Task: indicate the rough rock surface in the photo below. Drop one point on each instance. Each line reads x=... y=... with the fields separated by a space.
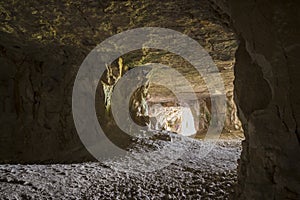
x=267 y=92
x=189 y=177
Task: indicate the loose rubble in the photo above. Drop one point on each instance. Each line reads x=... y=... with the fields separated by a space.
x=188 y=177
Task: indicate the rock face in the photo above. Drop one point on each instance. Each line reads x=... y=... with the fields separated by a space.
x=36 y=90
x=267 y=87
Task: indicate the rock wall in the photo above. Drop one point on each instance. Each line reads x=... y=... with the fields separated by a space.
x=267 y=93
x=36 y=124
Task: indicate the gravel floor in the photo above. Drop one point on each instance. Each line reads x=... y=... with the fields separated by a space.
x=191 y=176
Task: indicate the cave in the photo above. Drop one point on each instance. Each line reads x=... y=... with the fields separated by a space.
x=255 y=47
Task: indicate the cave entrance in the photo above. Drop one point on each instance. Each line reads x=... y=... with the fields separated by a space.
x=162 y=111
x=158 y=108
x=172 y=117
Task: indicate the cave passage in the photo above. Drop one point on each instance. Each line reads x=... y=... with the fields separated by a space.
x=42 y=47
x=255 y=47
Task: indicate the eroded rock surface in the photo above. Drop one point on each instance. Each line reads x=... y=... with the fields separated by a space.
x=267 y=89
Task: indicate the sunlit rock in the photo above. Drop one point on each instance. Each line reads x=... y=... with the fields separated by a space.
x=175 y=119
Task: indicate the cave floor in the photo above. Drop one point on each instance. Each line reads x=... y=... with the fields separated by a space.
x=188 y=177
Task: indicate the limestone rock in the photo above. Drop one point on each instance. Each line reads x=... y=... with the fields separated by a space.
x=267 y=94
